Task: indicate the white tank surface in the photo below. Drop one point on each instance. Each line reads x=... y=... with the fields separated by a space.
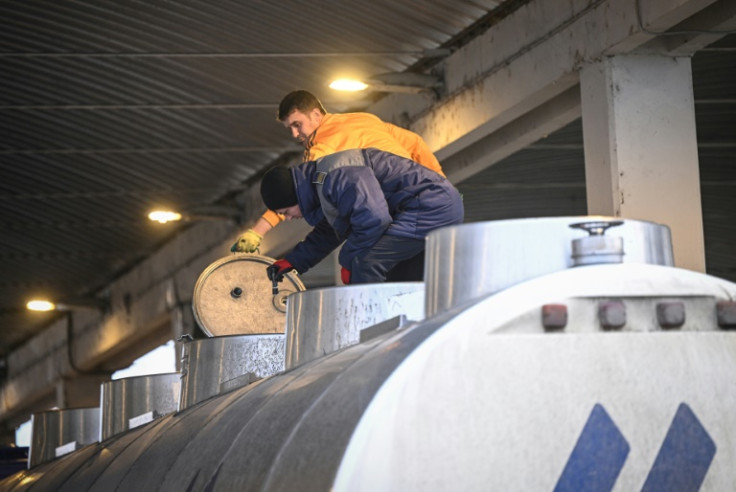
x=321 y=321
x=602 y=376
x=233 y=296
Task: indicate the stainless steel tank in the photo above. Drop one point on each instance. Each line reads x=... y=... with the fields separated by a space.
x=233 y=296
x=130 y=402
x=321 y=321
x=468 y=261
x=211 y=366
x=58 y=432
x=466 y=400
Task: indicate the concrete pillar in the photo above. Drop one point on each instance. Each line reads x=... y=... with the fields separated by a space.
x=641 y=156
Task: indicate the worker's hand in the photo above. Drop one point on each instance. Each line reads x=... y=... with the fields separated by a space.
x=345 y=276
x=278 y=269
x=247 y=242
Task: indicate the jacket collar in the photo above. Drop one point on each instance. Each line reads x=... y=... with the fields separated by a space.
x=306 y=194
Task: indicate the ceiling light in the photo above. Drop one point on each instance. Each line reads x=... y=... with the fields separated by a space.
x=164 y=216
x=199 y=213
x=405 y=82
x=76 y=304
x=40 y=305
x=348 y=85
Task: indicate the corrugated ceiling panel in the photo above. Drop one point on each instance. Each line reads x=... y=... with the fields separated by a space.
x=109 y=107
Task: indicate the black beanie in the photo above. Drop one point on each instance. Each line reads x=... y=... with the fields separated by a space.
x=277 y=188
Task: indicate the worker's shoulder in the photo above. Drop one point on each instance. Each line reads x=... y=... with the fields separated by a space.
x=342 y=118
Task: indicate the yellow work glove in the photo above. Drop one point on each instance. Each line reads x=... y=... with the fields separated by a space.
x=247 y=242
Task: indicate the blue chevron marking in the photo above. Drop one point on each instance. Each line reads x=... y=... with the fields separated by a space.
x=597 y=458
x=685 y=456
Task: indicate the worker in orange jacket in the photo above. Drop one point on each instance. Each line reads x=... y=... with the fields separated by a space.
x=323 y=133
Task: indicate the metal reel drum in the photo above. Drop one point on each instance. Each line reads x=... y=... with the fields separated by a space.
x=233 y=296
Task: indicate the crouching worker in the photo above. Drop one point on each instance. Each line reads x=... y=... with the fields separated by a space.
x=381 y=205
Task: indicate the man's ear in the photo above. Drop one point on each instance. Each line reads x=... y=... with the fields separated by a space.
x=317 y=115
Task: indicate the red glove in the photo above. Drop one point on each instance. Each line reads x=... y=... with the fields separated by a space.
x=278 y=269
x=345 y=276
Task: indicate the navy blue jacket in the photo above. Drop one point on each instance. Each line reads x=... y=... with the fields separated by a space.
x=368 y=193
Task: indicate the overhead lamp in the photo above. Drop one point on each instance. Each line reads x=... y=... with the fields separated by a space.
x=348 y=85
x=40 y=305
x=205 y=212
x=403 y=82
x=164 y=216
x=68 y=305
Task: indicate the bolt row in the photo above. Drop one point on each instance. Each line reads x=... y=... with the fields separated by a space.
x=612 y=315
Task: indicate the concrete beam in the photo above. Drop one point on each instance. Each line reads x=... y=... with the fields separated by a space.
x=515 y=136
x=528 y=59
x=510 y=76
x=696 y=32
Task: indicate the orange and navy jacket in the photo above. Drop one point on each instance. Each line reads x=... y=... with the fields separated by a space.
x=347 y=131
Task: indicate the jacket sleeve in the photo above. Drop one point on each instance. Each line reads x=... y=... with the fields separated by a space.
x=362 y=210
x=319 y=243
x=272 y=217
x=416 y=146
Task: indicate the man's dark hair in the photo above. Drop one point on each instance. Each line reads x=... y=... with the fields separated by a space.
x=302 y=100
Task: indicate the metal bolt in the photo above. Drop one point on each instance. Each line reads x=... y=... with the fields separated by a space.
x=671 y=314
x=612 y=314
x=554 y=316
x=726 y=314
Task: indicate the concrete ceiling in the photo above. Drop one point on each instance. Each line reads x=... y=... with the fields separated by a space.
x=109 y=108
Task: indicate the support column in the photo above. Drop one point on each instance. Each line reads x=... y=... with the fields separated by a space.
x=641 y=155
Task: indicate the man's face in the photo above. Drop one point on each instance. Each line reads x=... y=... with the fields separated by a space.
x=302 y=125
x=293 y=212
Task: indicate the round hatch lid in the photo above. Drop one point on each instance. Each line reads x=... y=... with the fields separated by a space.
x=233 y=296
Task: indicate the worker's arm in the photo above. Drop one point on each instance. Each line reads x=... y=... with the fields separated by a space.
x=268 y=221
x=319 y=243
x=416 y=146
x=250 y=240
